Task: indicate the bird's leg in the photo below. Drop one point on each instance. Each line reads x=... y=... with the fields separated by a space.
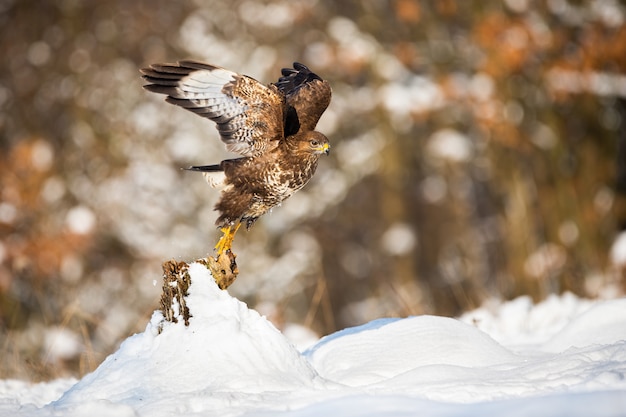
x=224 y=268
x=226 y=241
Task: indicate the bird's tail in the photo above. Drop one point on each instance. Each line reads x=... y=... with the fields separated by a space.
x=214 y=174
x=206 y=168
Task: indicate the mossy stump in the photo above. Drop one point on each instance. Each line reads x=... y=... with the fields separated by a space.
x=176 y=282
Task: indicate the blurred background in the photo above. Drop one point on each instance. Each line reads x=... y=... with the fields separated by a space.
x=478 y=153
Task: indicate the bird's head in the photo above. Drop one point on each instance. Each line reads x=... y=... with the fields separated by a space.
x=316 y=143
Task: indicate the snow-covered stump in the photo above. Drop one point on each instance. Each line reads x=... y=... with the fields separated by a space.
x=228 y=360
x=176 y=282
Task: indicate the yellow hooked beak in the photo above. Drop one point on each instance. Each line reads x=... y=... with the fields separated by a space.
x=324 y=148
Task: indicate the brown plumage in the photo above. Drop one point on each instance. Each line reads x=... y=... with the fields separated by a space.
x=271 y=126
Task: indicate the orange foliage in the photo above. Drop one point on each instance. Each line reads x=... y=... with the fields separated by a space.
x=603 y=49
x=408 y=11
x=34 y=239
x=446 y=7
x=507 y=44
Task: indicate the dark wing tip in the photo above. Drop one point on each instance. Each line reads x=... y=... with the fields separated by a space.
x=164 y=78
x=294 y=78
x=196 y=65
x=301 y=67
x=171 y=73
x=160 y=88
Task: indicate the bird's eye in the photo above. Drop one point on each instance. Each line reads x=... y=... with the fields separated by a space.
x=314 y=143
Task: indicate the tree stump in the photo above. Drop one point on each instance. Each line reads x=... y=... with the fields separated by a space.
x=176 y=282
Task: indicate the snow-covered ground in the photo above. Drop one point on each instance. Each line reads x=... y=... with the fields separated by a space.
x=562 y=357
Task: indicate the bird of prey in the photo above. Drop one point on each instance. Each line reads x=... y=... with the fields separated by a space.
x=270 y=126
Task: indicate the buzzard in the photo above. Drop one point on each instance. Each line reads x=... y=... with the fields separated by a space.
x=270 y=126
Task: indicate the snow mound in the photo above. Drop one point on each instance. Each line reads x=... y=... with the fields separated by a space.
x=227 y=352
x=230 y=361
x=602 y=324
x=370 y=353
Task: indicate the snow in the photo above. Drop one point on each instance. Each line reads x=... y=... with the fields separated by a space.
x=449 y=144
x=563 y=357
x=61 y=343
x=618 y=250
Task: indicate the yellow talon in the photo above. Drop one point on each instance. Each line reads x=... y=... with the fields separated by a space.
x=226 y=241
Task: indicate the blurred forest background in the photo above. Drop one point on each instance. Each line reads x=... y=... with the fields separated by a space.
x=478 y=152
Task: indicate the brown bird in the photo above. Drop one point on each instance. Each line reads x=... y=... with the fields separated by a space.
x=271 y=126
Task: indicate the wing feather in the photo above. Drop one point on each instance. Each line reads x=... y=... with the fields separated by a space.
x=307 y=96
x=249 y=115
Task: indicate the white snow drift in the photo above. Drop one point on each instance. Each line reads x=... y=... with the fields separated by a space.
x=230 y=361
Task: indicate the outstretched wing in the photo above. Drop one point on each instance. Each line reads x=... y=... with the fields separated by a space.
x=249 y=115
x=307 y=95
